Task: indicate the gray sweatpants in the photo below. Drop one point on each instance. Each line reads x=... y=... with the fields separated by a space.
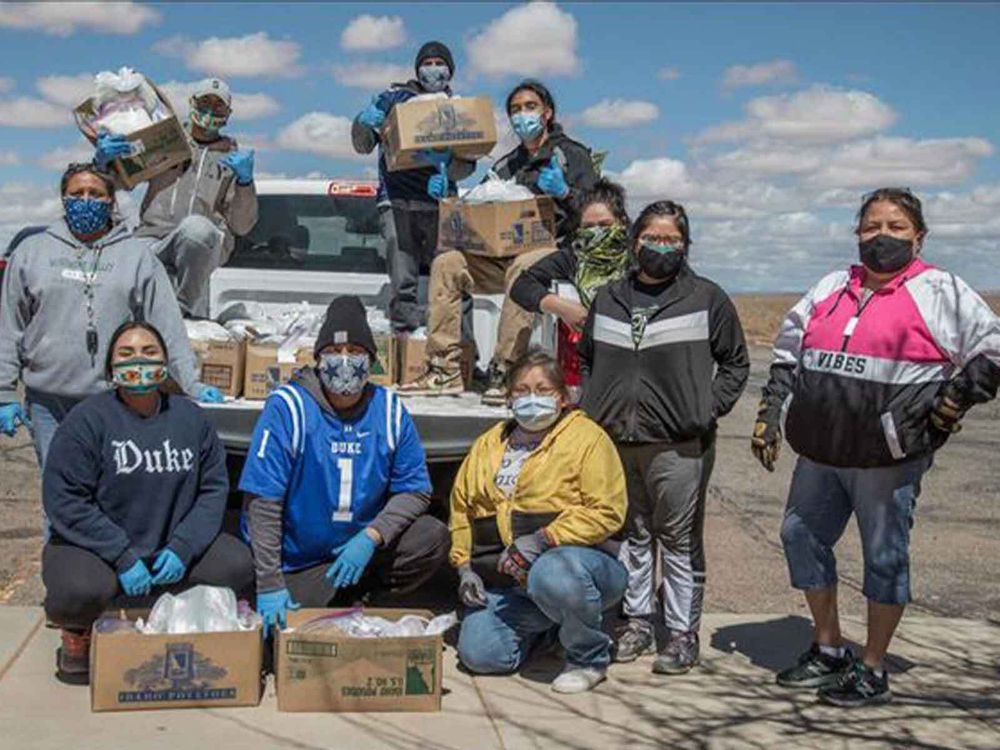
x=190 y=253
x=666 y=517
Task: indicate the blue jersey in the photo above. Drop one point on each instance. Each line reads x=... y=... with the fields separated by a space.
x=333 y=475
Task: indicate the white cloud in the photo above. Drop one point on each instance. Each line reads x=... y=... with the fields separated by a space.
x=371 y=75
x=9 y=159
x=58 y=158
x=668 y=74
x=818 y=115
x=367 y=32
x=657 y=178
x=245 y=106
x=25 y=112
x=319 y=133
x=535 y=39
x=66 y=90
x=24 y=204
x=773 y=72
x=6 y=84
x=770 y=159
x=619 y=113
x=250 y=56
x=64 y=18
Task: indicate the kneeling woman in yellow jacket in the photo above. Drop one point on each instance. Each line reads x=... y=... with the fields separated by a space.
x=532 y=511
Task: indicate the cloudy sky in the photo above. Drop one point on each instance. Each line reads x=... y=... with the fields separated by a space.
x=767 y=121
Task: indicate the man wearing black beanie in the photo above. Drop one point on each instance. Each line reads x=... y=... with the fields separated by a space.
x=408 y=199
x=336 y=482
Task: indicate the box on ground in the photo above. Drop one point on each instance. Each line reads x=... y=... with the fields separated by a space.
x=132 y=671
x=341 y=673
x=499 y=229
x=412 y=359
x=464 y=124
x=222 y=364
x=157 y=148
x=267 y=367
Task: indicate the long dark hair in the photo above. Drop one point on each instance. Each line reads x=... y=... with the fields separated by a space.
x=667 y=209
x=902 y=198
x=539 y=88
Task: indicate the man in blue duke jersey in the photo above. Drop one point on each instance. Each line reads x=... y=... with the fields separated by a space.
x=336 y=482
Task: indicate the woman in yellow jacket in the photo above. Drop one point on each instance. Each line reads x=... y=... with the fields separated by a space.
x=532 y=511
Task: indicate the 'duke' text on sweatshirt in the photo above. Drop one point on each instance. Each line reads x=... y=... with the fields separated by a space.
x=124 y=486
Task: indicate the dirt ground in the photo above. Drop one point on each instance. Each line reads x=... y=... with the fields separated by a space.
x=955 y=554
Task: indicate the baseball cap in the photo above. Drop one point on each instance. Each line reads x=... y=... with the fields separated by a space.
x=213 y=87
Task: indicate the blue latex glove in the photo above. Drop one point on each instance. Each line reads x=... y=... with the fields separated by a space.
x=352 y=559
x=272 y=606
x=437 y=185
x=436 y=157
x=136 y=581
x=372 y=116
x=211 y=395
x=109 y=147
x=552 y=181
x=241 y=162
x=12 y=415
x=167 y=567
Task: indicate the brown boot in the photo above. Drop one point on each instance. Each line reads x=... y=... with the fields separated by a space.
x=73 y=658
x=434 y=381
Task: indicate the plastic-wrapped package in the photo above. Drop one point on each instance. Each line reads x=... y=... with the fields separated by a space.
x=125 y=102
x=202 y=609
x=496 y=190
x=206 y=330
x=359 y=625
x=120 y=624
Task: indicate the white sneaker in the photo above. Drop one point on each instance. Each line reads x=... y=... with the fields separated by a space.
x=578 y=679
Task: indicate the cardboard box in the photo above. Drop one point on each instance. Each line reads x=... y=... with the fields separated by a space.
x=412 y=359
x=222 y=364
x=159 y=147
x=132 y=671
x=332 y=672
x=383 y=370
x=265 y=370
x=497 y=229
x=464 y=124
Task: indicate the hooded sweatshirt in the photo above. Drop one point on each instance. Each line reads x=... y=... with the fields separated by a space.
x=200 y=187
x=43 y=311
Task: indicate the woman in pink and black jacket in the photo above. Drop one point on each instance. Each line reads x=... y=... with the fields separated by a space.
x=873 y=370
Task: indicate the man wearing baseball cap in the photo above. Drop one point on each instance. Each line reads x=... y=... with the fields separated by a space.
x=408 y=199
x=194 y=211
x=336 y=483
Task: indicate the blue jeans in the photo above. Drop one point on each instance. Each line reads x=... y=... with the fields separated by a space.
x=821 y=501
x=46 y=412
x=568 y=590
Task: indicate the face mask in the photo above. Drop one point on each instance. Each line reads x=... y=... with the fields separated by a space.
x=527 y=125
x=535 y=413
x=601 y=257
x=139 y=375
x=885 y=254
x=344 y=374
x=207 y=120
x=434 y=78
x=86 y=215
x=660 y=261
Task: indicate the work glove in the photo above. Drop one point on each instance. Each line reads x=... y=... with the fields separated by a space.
x=521 y=554
x=211 y=395
x=372 y=116
x=946 y=415
x=110 y=146
x=471 y=590
x=766 y=440
x=241 y=162
x=273 y=606
x=136 y=581
x=352 y=559
x=552 y=181
x=12 y=415
x=437 y=185
x=167 y=568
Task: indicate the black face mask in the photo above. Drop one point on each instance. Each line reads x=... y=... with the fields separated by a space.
x=885 y=254
x=660 y=265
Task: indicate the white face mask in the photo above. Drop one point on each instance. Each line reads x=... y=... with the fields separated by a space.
x=434 y=78
x=535 y=413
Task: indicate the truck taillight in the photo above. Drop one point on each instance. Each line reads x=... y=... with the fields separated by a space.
x=3 y=263
x=353 y=189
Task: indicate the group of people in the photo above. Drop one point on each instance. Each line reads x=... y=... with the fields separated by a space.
x=589 y=497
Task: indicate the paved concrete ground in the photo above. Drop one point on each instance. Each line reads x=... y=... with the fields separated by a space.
x=945 y=681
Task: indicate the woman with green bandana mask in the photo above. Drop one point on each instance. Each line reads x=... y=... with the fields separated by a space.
x=135 y=489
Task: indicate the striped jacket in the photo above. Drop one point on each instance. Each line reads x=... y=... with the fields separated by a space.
x=857 y=373
x=666 y=374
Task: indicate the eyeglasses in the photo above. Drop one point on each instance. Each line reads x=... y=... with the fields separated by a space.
x=662 y=239
x=544 y=391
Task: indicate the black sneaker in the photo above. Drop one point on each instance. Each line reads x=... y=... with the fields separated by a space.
x=496 y=386
x=815 y=669
x=679 y=655
x=634 y=640
x=858 y=686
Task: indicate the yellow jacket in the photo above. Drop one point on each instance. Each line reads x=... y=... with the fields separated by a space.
x=573 y=485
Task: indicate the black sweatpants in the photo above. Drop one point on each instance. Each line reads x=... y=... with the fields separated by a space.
x=400 y=568
x=79 y=585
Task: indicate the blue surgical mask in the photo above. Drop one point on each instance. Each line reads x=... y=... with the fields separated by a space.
x=86 y=216
x=434 y=78
x=344 y=374
x=527 y=125
x=535 y=413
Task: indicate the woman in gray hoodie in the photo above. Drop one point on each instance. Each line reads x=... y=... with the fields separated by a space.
x=65 y=291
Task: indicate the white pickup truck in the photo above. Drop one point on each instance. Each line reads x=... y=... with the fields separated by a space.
x=317 y=239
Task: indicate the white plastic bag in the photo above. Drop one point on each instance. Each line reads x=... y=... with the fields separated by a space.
x=202 y=609
x=206 y=330
x=359 y=625
x=125 y=102
x=495 y=190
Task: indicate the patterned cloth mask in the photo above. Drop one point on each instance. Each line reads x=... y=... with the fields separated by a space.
x=86 y=215
x=344 y=374
x=601 y=257
x=207 y=120
x=434 y=78
x=139 y=375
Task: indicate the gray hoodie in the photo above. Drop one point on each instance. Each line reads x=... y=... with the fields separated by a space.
x=43 y=311
x=200 y=187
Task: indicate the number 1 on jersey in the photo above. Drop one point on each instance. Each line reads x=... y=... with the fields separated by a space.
x=343 y=511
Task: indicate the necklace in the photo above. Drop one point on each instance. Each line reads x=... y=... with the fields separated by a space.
x=89 y=277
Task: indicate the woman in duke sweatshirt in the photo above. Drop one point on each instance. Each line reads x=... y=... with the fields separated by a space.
x=65 y=291
x=135 y=489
